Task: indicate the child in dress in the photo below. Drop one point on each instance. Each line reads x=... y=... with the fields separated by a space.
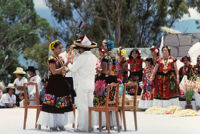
x=146 y=100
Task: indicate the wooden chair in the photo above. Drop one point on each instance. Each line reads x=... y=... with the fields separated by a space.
x=110 y=105
x=132 y=102
x=74 y=113
x=38 y=107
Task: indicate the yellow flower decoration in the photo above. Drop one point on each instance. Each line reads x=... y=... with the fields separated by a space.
x=123 y=52
x=51 y=45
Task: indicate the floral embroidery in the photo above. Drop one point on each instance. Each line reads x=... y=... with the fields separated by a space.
x=59 y=102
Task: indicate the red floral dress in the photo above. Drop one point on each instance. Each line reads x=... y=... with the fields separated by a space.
x=148 y=87
x=166 y=82
x=122 y=75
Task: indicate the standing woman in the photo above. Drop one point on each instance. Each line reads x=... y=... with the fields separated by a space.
x=167 y=80
x=135 y=63
x=155 y=54
x=58 y=96
x=187 y=69
x=122 y=74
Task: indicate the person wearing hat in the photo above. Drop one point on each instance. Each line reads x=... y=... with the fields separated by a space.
x=33 y=78
x=8 y=99
x=84 y=69
x=19 y=83
x=58 y=97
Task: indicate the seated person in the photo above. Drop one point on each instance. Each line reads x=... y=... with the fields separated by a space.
x=8 y=99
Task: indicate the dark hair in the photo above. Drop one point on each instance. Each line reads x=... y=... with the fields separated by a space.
x=22 y=94
x=44 y=80
x=22 y=75
x=185 y=57
x=134 y=50
x=149 y=60
x=168 y=48
x=57 y=44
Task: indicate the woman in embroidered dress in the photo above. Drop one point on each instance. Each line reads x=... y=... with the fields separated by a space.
x=155 y=54
x=187 y=69
x=167 y=80
x=58 y=96
x=135 y=63
x=146 y=100
x=122 y=74
x=107 y=74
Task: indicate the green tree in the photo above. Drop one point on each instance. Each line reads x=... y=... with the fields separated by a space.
x=39 y=53
x=21 y=28
x=130 y=23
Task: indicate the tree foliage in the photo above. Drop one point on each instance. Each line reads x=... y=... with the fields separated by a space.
x=130 y=23
x=20 y=28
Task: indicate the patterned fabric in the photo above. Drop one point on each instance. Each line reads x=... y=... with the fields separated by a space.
x=122 y=76
x=59 y=102
x=186 y=70
x=148 y=87
x=55 y=61
x=135 y=64
x=166 y=83
x=100 y=100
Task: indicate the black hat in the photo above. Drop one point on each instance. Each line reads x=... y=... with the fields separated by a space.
x=31 y=68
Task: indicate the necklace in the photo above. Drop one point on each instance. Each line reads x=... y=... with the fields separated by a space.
x=165 y=63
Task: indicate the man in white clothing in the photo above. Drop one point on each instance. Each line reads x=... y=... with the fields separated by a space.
x=84 y=71
x=33 y=78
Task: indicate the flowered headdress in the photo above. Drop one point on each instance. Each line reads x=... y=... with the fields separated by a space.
x=185 y=57
x=122 y=51
x=155 y=49
x=108 y=44
x=51 y=45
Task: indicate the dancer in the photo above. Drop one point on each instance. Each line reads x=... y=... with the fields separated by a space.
x=167 y=80
x=122 y=74
x=58 y=96
x=187 y=69
x=155 y=54
x=146 y=100
x=84 y=69
x=136 y=71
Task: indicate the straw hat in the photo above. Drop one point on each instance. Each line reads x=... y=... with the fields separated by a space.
x=10 y=85
x=19 y=70
x=84 y=42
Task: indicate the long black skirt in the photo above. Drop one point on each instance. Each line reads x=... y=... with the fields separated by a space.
x=58 y=97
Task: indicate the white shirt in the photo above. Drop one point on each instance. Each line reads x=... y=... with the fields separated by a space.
x=6 y=98
x=84 y=69
x=31 y=88
x=18 y=82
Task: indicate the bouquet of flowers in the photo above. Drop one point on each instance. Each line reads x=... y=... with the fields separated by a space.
x=190 y=87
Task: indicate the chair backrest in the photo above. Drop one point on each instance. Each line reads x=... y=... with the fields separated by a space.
x=26 y=98
x=134 y=100
x=115 y=93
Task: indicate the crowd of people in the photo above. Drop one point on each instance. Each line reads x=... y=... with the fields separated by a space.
x=78 y=73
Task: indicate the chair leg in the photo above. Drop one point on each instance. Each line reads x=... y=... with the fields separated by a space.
x=108 y=120
x=117 y=119
x=135 y=119
x=39 y=126
x=124 y=119
x=25 y=116
x=89 y=120
x=100 y=121
x=37 y=116
x=74 y=112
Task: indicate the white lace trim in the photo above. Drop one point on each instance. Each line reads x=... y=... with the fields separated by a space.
x=55 y=120
x=166 y=103
x=145 y=104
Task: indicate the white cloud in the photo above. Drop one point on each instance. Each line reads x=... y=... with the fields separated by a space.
x=193 y=14
x=40 y=4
